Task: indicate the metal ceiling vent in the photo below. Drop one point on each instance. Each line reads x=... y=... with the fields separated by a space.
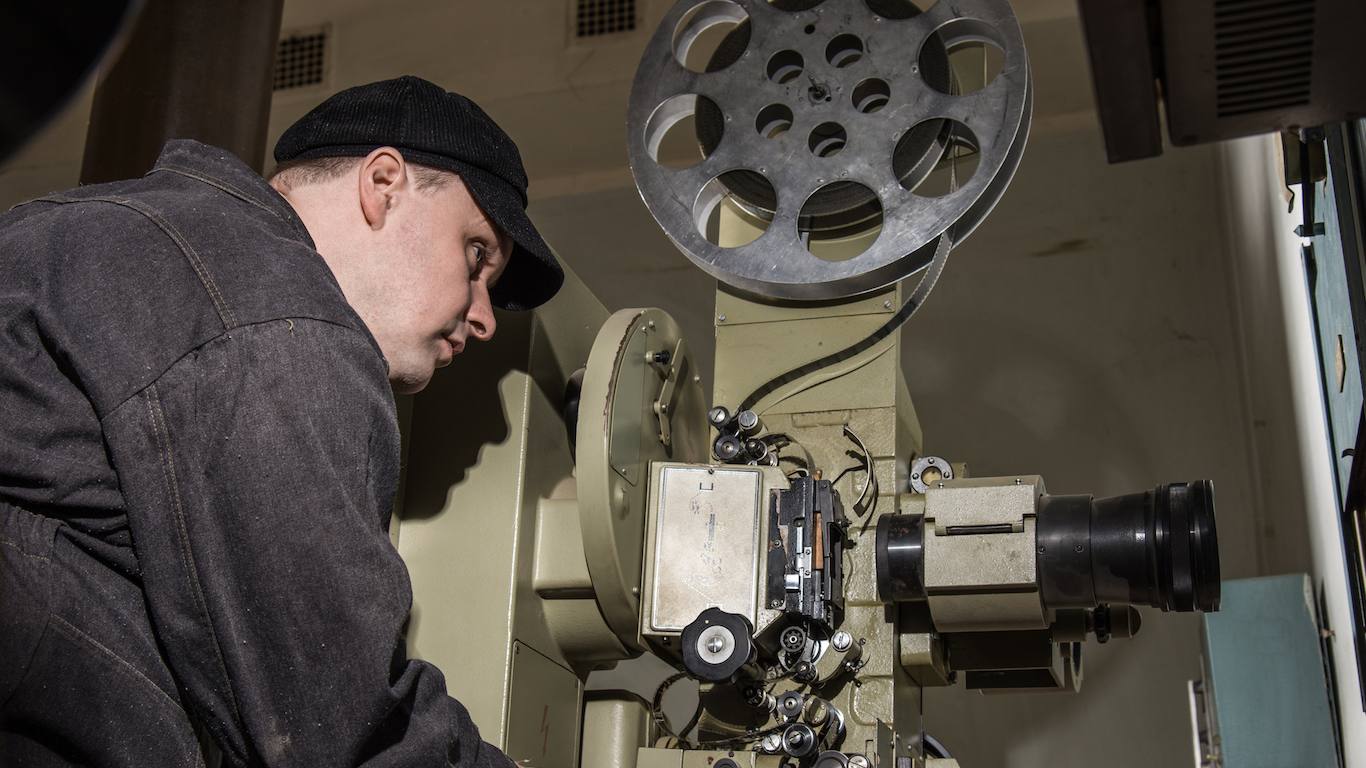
x=604 y=17
x=1263 y=54
x=299 y=58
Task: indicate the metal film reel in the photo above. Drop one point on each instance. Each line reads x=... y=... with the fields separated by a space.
x=823 y=120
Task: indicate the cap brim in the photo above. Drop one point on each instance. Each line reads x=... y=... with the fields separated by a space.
x=533 y=275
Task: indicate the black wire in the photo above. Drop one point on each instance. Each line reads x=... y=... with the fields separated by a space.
x=657 y=708
x=908 y=309
x=831 y=359
x=696 y=715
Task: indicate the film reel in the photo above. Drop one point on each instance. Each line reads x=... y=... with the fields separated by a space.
x=826 y=122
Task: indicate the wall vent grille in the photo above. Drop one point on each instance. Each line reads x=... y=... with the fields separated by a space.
x=604 y=17
x=299 y=59
x=1263 y=54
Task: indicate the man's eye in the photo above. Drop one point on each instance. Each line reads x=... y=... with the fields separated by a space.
x=479 y=254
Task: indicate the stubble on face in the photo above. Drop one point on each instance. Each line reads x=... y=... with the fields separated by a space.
x=448 y=253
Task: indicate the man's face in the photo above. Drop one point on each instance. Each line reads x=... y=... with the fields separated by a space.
x=445 y=255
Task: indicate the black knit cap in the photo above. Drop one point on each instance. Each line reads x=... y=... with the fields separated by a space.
x=427 y=125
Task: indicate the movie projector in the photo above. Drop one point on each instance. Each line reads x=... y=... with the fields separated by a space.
x=787 y=545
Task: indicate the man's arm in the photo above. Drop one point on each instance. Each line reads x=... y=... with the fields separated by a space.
x=258 y=473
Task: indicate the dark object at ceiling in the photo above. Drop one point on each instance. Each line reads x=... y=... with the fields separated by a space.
x=1223 y=68
x=47 y=50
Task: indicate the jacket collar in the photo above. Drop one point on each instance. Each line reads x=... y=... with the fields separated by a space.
x=220 y=168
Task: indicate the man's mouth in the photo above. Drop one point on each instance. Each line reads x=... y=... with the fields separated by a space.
x=456 y=345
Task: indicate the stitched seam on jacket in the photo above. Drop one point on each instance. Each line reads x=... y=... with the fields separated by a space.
x=66 y=628
x=21 y=551
x=224 y=312
x=219 y=183
x=218 y=337
x=183 y=539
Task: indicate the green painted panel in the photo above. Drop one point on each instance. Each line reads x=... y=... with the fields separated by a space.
x=1267 y=677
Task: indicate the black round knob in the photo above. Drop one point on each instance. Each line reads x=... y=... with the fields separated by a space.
x=726 y=447
x=716 y=645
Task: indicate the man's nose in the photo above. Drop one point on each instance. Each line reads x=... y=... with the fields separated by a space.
x=480 y=314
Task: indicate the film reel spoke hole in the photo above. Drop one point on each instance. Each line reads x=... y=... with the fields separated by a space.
x=948 y=166
x=844 y=50
x=699 y=36
x=827 y=139
x=840 y=221
x=773 y=121
x=785 y=66
x=671 y=132
x=899 y=9
x=795 y=6
x=870 y=95
x=728 y=220
x=974 y=54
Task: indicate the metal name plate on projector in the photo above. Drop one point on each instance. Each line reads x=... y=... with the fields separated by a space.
x=706 y=537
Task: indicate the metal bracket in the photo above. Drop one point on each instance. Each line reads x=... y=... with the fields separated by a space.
x=677 y=362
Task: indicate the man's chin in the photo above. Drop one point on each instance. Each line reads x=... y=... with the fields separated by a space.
x=409 y=384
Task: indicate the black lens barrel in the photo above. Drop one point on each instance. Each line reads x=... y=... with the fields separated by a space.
x=1065 y=548
x=1155 y=548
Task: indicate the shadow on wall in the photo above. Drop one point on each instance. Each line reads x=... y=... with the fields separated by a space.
x=460 y=412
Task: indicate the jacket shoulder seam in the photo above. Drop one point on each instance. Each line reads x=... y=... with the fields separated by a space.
x=220 y=304
x=216 y=337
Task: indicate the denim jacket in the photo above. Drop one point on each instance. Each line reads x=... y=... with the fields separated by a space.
x=198 y=457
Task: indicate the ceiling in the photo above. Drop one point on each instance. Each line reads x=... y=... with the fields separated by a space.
x=561 y=98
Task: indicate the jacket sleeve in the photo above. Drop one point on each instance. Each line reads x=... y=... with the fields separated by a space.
x=259 y=473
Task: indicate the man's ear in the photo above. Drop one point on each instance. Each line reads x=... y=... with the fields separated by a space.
x=383 y=175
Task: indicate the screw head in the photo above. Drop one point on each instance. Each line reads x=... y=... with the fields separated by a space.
x=716 y=644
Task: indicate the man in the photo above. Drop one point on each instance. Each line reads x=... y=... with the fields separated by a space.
x=198 y=446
